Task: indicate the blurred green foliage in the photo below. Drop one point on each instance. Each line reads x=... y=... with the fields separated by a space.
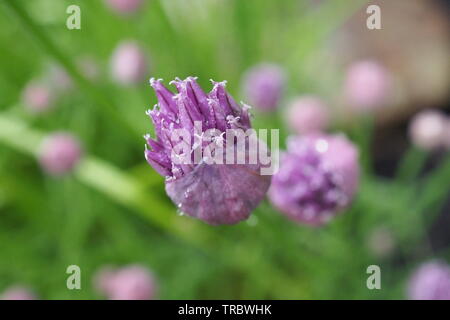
x=113 y=209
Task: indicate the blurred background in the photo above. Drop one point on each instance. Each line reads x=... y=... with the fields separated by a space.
x=90 y=86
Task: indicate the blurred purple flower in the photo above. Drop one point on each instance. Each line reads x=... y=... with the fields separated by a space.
x=18 y=293
x=37 y=97
x=263 y=86
x=428 y=129
x=307 y=114
x=128 y=63
x=132 y=282
x=59 y=153
x=124 y=6
x=318 y=177
x=431 y=281
x=367 y=85
x=215 y=193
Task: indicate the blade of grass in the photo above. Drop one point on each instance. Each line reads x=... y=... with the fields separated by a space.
x=101 y=102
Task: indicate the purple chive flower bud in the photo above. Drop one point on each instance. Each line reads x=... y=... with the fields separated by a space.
x=37 y=97
x=428 y=129
x=308 y=114
x=124 y=6
x=318 y=177
x=18 y=293
x=263 y=86
x=59 y=153
x=128 y=63
x=431 y=281
x=133 y=282
x=213 y=192
x=367 y=85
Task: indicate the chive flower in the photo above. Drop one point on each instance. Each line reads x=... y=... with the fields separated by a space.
x=133 y=282
x=317 y=179
x=217 y=192
x=18 y=292
x=59 y=153
x=429 y=130
x=431 y=281
x=263 y=86
x=308 y=114
x=129 y=64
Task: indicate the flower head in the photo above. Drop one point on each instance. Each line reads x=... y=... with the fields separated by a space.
x=59 y=153
x=263 y=86
x=128 y=63
x=124 y=6
x=367 y=85
x=318 y=177
x=308 y=114
x=212 y=191
x=18 y=293
x=429 y=129
x=132 y=282
x=431 y=281
x=37 y=97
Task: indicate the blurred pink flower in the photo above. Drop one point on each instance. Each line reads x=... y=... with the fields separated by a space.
x=128 y=63
x=59 y=153
x=367 y=85
x=18 y=293
x=133 y=282
x=431 y=281
x=428 y=129
x=37 y=97
x=307 y=114
x=317 y=179
x=263 y=86
x=124 y=6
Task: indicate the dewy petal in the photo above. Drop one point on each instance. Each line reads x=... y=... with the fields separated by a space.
x=219 y=194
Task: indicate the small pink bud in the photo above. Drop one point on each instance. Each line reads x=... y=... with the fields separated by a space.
x=37 y=97
x=124 y=6
x=367 y=85
x=59 y=153
x=128 y=63
x=431 y=281
x=133 y=282
x=18 y=293
x=308 y=114
x=264 y=85
x=428 y=129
